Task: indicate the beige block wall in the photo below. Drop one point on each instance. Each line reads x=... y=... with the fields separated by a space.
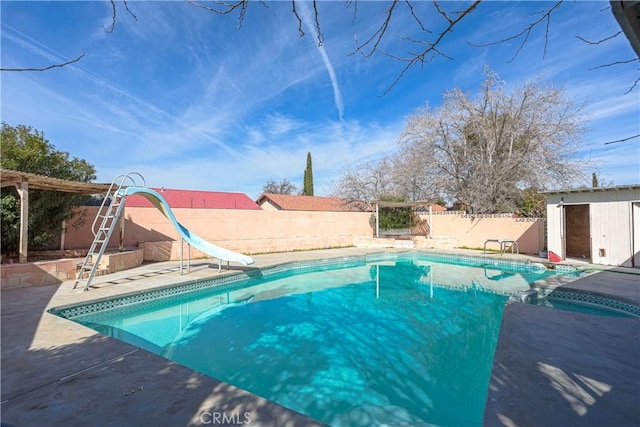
x=472 y=231
x=245 y=231
x=57 y=271
x=261 y=231
x=37 y=273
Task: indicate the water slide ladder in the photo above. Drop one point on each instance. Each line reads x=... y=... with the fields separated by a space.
x=106 y=221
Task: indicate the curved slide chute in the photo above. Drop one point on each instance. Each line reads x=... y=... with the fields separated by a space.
x=196 y=241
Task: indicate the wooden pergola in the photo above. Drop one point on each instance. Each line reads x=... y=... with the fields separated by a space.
x=23 y=181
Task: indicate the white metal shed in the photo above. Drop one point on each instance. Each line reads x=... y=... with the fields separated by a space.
x=600 y=225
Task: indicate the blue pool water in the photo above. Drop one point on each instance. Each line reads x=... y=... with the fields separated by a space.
x=402 y=341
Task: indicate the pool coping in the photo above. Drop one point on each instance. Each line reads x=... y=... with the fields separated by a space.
x=54 y=388
x=542 y=289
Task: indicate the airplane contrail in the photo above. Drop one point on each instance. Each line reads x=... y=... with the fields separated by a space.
x=337 y=95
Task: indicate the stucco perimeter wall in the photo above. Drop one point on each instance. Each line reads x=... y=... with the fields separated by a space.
x=253 y=231
x=472 y=231
x=245 y=231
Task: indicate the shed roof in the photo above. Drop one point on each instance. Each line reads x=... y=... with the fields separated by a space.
x=196 y=199
x=593 y=189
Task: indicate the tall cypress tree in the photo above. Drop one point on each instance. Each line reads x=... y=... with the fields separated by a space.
x=308 y=177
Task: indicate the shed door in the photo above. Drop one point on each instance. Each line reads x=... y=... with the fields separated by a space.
x=635 y=207
x=577 y=231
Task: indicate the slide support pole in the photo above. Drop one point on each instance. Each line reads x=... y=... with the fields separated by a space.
x=181 y=254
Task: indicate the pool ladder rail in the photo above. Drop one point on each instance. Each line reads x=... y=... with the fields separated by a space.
x=107 y=217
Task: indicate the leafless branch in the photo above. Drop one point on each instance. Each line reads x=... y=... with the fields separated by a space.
x=431 y=47
x=635 y=83
x=601 y=40
x=113 y=18
x=611 y=64
x=633 y=86
x=546 y=36
x=64 y=64
x=126 y=6
x=108 y=30
x=377 y=37
x=295 y=13
x=317 y=21
x=114 y=14
x=226 y=8
x=415 y=17
x=316 y=18
x=623 y=139
x=347 y=5
x=545 y=16
x=442 y=12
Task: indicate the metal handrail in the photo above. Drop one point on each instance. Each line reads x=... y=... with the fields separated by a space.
x=110 y=193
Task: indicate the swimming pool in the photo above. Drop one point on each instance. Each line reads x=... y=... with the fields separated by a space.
x=384 y=339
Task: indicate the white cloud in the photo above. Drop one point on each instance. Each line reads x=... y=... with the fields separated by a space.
x=620 y=163
x=334 y=148
x=278 y=124
x=613 y=107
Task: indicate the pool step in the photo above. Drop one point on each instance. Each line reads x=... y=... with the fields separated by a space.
x=406 y=244
x=527 y=296
x=84 y=274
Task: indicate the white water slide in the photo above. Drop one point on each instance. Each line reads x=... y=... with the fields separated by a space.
x=192 y=239
x=107 y=219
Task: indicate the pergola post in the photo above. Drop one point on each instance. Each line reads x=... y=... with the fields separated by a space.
x=63 y=235
x=23 y=193
x=377 y=220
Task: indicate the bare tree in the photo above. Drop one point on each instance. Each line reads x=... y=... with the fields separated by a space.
x=486 y=149
x=415 y=176
x=283 y=187
x=366 y=183
x=407 y=175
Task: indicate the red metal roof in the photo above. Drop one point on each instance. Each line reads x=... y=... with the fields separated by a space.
x=196 y=199
x=288 y=202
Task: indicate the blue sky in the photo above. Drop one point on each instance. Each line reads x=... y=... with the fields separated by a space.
x=189 y=100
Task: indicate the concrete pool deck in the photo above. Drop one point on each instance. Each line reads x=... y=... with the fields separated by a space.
x=552 y=367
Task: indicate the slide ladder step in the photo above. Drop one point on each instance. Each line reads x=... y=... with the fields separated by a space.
x=108 y=213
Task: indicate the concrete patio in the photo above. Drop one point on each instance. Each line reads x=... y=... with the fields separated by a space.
x=552 y=367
